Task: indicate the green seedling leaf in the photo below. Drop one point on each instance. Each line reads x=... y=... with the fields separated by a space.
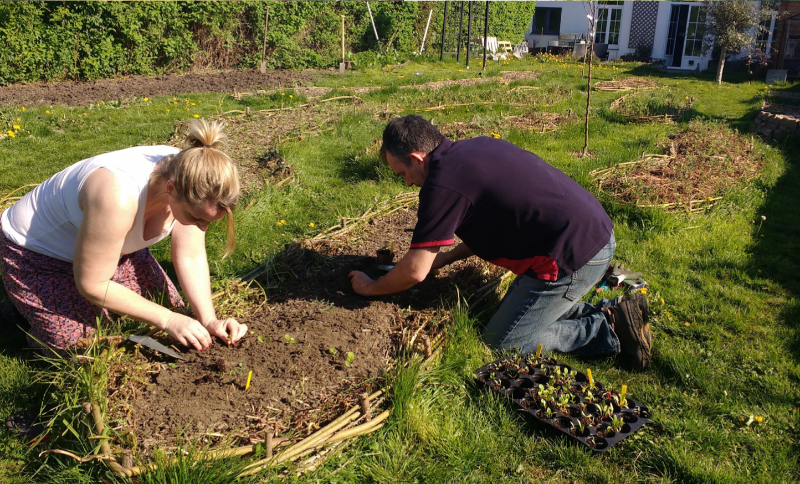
x=350 y=357
x=289 y=339
x=333 y=351
x=260 y=339
x=269 y=340
x=172 y=365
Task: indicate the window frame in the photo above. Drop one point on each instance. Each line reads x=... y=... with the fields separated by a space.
x=548 y=20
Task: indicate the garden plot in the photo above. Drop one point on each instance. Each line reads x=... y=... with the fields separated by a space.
x=312 y=347
x=700 y=163
x=626 y=84
x=652 y=106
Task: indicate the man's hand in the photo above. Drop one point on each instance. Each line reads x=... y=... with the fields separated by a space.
x=361 y=283
x=187 y=331
x=228 y=330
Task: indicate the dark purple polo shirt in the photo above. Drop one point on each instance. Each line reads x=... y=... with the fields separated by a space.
x=510 y=208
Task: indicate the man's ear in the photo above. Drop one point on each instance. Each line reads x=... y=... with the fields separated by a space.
x=417 y=156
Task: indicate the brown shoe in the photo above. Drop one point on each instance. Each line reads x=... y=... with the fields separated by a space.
x=644 y=306
x=634 y=334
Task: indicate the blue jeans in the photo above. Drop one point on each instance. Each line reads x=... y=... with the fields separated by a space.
x=537 y=312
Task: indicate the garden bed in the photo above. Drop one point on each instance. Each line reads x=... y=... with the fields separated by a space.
x=626 y=84
x=298 y=348
x=699 y=164
x=652 y=106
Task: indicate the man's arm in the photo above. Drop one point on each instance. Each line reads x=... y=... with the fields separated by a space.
x=410 y=270
x=446 y=258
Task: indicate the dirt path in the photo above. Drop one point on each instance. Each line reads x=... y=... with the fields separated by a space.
x=126 y=88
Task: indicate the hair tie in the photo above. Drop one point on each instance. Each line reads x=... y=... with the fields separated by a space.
x=207 y=146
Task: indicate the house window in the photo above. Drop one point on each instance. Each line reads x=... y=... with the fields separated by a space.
x=547 y=21
x=695 y=31
x=609 y=18
x=764 y=39
x=672 y=32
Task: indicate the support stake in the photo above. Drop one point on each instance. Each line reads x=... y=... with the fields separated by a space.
x=268 y=441
x=264 y=48
x=427 y=342
x=366 y=410
x=127 y=459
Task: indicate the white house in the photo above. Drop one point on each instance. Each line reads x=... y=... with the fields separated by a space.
x=671 y=30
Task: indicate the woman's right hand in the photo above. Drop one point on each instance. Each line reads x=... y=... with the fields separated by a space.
x=188 y=331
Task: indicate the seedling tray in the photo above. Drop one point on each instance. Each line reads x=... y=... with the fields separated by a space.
x=559 y=396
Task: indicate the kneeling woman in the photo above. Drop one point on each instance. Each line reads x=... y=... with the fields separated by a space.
x=77 y=245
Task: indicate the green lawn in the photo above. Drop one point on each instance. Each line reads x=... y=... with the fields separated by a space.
x=723 y=285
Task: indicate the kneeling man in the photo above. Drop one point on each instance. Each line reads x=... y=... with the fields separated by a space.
x=514 y=210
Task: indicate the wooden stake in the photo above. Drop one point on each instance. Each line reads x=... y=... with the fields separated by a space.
x=127 y=459
x=264 y=49
x=427 y=342
x=366 y=410
x=268 y=441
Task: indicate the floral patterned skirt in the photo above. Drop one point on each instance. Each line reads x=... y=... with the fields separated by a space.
x=43 y=289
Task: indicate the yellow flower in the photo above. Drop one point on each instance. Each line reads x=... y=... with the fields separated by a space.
x=282 y=222
x=174 y=99
x=146 y=99
x=311 y=224
x=175 y=103
x=710 y=199
x=16 y=126
x=193 y=104
x=290 y=96
x=18 y=119
x=47 y=112
x=196 y=115
x=283 y=94
x=662 y=300
x=687 y=97
x=758 y=418
x=167 y=110
x=11 y=134
x=686 y=324
x=23 y=108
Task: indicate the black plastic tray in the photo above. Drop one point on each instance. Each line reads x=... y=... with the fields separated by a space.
x=519 y=387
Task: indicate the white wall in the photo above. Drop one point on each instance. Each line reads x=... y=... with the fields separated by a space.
x=573 y=21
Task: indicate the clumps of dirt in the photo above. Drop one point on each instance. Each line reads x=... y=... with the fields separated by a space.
x=652 y=106
x=510 y=76
x=786 y=109
x=626 y=84
x=699 y=165
x=126 y=88
x=299 y=344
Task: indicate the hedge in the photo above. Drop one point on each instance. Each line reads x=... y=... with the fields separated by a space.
x=90 y=40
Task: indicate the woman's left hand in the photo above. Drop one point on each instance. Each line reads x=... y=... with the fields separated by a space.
x=228 y=330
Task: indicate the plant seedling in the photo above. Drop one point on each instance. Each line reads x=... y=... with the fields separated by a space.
x=606 y=410
x=616 y=423
x=579 y=428
x=548 y=412
x=350 y=357
x=333 y=351
x=289 y=339
x=260 y=339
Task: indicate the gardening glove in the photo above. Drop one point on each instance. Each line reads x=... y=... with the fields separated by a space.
x=228 y=330
x=187 y=331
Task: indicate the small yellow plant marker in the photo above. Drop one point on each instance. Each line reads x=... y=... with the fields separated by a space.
x=539 y=350
x=247 y=385
x=591 y=380
x=622 y=394
x=391 y=247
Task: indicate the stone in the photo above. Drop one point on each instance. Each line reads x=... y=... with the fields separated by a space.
x=775 y=75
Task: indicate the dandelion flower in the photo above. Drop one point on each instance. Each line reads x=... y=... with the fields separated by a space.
x=146 y=99
x=763 y=217
x=710 y=199
x=196 y=115
x=686 y=324
x=758 y=418
x=16 y=126
x=11 y=134
x=175 y=103
x=174 y=99
x=47 y=112
x=18 y=119
x=311 y=224
x=193 y=104
x=662 y=300
x=290 y=96
x=283 y=94
x=23 y=108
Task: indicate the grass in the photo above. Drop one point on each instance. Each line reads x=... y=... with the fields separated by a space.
x=724 y=285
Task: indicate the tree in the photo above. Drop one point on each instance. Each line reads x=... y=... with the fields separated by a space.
x=733 y=25
x=591 y=9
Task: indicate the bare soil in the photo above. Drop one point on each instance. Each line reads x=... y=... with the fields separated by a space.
x=126 y=88
x=297 y=345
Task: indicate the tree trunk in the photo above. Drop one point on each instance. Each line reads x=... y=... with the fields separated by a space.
x=590 y=48
x=721 y=65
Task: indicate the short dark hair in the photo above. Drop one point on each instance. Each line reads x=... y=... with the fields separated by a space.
x=407 y=134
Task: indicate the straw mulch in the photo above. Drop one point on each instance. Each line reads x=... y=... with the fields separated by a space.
x=627 y=84
x=700 y=163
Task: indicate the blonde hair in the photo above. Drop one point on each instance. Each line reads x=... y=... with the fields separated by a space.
x=202 y=173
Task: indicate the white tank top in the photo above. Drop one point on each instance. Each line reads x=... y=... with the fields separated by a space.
x=46 y=219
